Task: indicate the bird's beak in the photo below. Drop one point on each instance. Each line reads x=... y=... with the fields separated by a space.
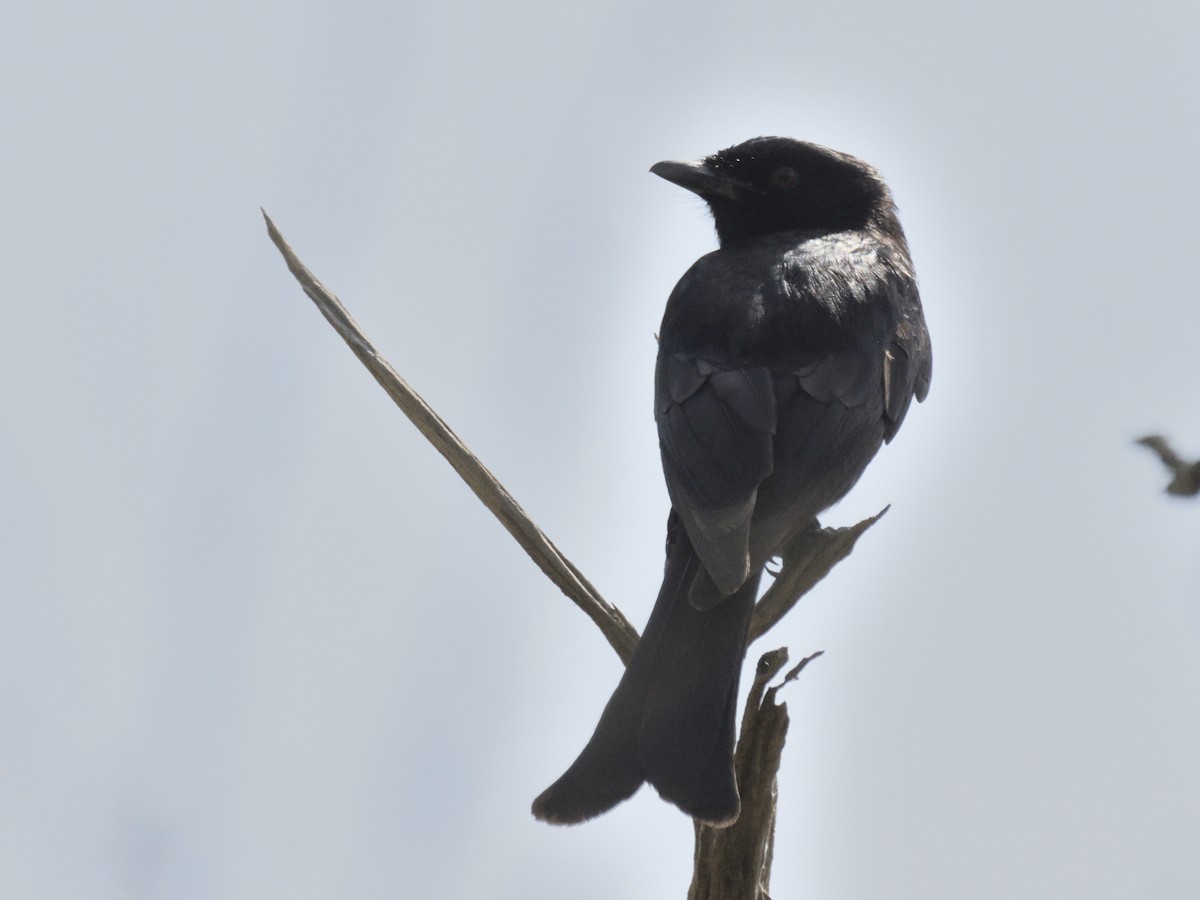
x=699 y=178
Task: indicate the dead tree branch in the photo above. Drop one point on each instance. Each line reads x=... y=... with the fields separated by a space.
x=615 y=627
x=734 y=863
x=808 y=558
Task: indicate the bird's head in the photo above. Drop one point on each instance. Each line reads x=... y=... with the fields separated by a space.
x=773 y=184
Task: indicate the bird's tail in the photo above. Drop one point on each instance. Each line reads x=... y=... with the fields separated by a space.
x=671 y=719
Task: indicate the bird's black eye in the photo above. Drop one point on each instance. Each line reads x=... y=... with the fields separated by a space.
x=784 y=177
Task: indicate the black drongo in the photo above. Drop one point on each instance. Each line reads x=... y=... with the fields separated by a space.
x=785 y=359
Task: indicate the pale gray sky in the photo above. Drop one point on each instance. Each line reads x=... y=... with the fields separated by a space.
x=256 y=640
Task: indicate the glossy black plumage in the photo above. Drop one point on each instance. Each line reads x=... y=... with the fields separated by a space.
x=786 y=358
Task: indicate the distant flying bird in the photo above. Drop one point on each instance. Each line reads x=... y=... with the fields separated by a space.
x=1185 y=476
x=786 y=358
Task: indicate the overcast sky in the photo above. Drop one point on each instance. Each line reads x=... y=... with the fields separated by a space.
x=257 y=640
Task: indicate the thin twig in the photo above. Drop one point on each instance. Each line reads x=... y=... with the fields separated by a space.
x=616 y=628
x=806 y=560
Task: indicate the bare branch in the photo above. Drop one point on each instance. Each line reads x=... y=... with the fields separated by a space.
x=734 y=863
x=807 y=559
x=616 y=628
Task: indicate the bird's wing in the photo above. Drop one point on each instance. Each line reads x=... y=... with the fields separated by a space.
x=1159 y=445
x=715 y=428
x=908 y=359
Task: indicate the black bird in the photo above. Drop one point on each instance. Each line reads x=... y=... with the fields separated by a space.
x=786 y=358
